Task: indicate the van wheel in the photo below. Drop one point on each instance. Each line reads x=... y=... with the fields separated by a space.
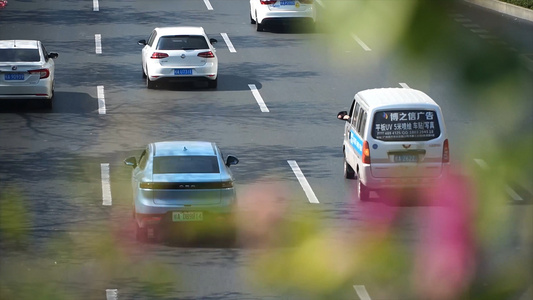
x=349 y=173
x=363 y=192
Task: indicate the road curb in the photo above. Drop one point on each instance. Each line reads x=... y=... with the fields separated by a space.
x=505 y=8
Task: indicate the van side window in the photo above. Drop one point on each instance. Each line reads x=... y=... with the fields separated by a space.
x=350 y=112
x=355 y=114
x=362 y=125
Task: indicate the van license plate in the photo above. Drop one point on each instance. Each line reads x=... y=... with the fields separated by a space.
x=187 y=216
x=405 y=158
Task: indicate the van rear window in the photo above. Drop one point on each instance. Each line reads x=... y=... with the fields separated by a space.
x=405 y=125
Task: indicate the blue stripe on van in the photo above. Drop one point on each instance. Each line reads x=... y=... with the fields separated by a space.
x=356 y=142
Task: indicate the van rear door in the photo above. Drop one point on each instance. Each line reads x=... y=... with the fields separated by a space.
x=406 y=143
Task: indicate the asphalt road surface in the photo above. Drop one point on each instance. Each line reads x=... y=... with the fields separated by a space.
x=65 y=212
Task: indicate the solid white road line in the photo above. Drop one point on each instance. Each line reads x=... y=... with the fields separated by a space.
x=303 y=181
x=111 y=294
x=98 y=43
x=509 y=190
x=470 y=25
x=479 y=30
x=106 y=185
x=463 y=20
x=361 y=292
x=208 y=4
x=258 y=98
x=361 y=43
x=228 y=42
x=101 y=100
x=404 y=85
x=96 y=6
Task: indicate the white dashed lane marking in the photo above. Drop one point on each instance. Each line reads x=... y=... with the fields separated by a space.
x=404 y=85
x=98 y=43
x=361 y=292
x=228 y=42
x=485 y=167
x=106 y=185
x=258 y=98
x=303 y=181
x=208 y=5
x=96 y=6
x=101 y=100
x=361 y=43
x=111 y=294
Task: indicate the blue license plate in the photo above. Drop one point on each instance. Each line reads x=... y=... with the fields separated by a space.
x=405 y=158
x=14 y=76
x=284 y=3
x=183 y=72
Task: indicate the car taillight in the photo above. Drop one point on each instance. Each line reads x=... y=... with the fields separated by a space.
x=146 y=185
x=207 y=54
x=366 y=153
x=266 y=2
x=43 y=73
x=151 y=220
x=226 y=184
x=445 y=152
x=158 y=55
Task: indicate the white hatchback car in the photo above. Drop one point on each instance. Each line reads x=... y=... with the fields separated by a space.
x=179 y=54
x=263 y=12
x=26 y=70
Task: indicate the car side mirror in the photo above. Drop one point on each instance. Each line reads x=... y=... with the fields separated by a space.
x=53 y=55
x=231 y=160
x=213 y=41
x=343 y=115
x=142 y=42
x=131 y=161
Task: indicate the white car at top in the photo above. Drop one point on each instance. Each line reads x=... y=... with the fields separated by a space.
x=26 y=71
x=263 y=12
x=179 y=54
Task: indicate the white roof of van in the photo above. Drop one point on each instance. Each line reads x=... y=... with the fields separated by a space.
x=394 y=97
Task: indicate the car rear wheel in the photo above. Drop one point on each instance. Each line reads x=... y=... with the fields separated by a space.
x=258 y=26
x=144 y=74
x=349 y=173
x=252 y=21
x=149 y=84
x=141 y=234
x=212 y=84
x=363 y=192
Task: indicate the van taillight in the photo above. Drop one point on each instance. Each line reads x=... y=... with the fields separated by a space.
x=159 y=55
x=445 y=152
x=366 y=153
x=43 y=73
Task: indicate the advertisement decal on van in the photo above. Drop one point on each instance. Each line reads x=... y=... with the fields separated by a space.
x=405 y=125
x=356 y=142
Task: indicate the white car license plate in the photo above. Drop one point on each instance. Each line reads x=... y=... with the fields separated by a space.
x=187 y=216
x=286 y=3
x=14 y=76
x=182 y=71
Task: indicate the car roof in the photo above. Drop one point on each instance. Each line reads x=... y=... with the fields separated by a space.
x=195 y=30
x=24 y=44
x=395 y=97
x=184 y=148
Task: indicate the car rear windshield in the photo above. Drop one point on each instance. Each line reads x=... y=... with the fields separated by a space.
x=405 y=125
x=185 y=164
x=182 y=42
x=20 y=55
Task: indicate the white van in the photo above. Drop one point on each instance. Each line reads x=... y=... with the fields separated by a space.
x=394 y=138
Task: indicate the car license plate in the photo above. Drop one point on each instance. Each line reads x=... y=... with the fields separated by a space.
x=187 y=216
x=183 y=72
x=14 y=76
x=285 y=3
x=405 y=158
